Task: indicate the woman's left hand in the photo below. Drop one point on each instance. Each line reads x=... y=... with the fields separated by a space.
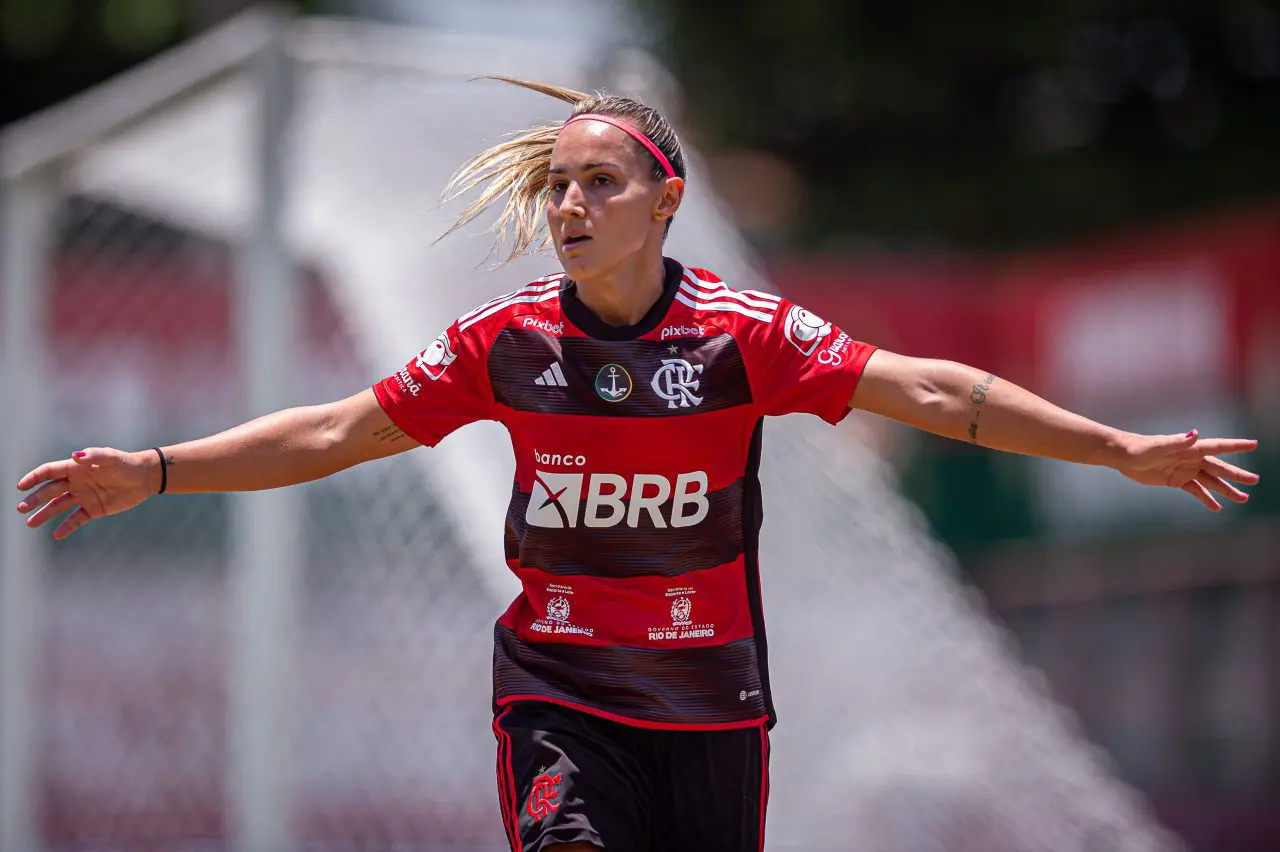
x=1190 y=463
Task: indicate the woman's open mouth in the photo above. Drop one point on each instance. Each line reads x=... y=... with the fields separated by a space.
x=570 y=242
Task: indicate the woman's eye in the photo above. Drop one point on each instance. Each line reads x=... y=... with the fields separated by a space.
x=558 y=186
x=602 y=180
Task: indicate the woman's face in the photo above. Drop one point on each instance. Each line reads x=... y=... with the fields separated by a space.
x=604 y=203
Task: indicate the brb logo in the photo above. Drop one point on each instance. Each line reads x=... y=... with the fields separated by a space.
x=557 y=499
x=676 y=381
x=437 y=357
x=543 y=795
x=805 y=330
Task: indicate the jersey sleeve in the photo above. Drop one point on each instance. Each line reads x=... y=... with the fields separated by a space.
x=446 y=386
x=801 y=363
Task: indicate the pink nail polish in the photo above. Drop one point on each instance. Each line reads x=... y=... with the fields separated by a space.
x=79 y=454
x=1194 y=433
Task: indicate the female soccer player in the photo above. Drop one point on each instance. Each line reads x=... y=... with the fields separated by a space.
x=631 y=688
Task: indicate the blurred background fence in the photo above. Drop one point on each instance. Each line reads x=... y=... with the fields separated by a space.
x=245 y=223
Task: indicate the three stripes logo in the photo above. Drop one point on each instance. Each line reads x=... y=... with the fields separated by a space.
x=553 y=376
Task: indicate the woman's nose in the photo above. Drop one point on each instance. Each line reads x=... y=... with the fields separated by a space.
x=572 y=204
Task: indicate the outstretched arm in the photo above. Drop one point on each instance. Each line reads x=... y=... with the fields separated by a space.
x=968 y=404
x=284 y=448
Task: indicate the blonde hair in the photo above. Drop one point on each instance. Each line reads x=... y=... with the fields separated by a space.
x=518 y=167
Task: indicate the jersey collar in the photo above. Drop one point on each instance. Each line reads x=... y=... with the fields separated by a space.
x=581 y=316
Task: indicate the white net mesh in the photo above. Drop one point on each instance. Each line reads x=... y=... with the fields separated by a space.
x=906 y=721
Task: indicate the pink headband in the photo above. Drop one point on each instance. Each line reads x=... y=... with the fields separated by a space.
x=633 y=133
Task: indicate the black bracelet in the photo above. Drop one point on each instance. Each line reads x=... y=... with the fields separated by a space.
x=164 y=470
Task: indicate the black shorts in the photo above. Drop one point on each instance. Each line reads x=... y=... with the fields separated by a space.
x=565 y=776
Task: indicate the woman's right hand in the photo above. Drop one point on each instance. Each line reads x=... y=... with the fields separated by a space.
x=99 y=481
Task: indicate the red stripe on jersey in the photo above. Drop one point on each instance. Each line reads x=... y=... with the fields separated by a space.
x=702 y=608
x=718 y=443
x=709 y=685
x=636 y=723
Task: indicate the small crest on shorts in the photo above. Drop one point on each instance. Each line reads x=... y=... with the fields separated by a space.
x=544 y=795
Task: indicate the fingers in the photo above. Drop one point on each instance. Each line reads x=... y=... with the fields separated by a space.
x=1198 y=491
x=89 y=457
x=1227 y=490
x=46 y=472
x=51 y=510
x=1217 y=467
x=1224 y=446
x=42 y=495
x=74 y=521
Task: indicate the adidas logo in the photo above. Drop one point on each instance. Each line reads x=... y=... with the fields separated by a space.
x=552 y=376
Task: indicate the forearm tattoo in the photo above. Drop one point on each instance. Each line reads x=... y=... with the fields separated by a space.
x=978 y=396
x=389 y=434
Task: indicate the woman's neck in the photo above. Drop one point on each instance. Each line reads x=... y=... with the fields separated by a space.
x=624 y=295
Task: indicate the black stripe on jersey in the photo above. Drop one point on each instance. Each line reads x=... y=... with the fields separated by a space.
x=623 y=551
x=646 y=382
x=699 y=686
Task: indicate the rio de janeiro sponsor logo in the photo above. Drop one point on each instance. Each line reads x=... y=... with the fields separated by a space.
x=559 y=617
x=682 y=623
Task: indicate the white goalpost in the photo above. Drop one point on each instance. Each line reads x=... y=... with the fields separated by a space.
x=248 y=223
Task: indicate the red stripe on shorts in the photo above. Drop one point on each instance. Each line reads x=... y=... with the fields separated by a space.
x=506 y=785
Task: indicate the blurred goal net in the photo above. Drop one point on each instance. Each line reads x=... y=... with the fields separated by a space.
x=133 y=225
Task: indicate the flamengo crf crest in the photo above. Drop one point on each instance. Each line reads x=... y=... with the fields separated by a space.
x=543 y=795
x=676 y=381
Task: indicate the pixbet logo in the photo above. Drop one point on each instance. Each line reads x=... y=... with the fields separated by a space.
x=805 y=330
x=681 y=331
x=543 y=325
x=558 y=497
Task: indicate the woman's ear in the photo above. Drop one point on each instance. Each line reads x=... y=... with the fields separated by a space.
x=669 y=198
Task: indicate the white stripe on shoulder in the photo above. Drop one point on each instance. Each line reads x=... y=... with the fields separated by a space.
x=730 y=306
x=693 y=278
x=702 y=290
x=525 y=298
x=539 y=286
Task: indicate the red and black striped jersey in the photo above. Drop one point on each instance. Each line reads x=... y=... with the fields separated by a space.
x=635 y=511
